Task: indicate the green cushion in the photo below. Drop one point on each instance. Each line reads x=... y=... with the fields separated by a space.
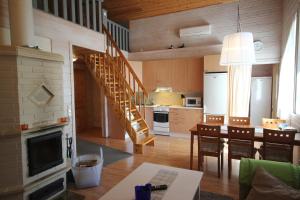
x=286 y=172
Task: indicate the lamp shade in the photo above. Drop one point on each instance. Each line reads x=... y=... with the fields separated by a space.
x=238 y=49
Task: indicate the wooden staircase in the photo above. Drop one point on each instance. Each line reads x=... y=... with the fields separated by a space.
x=125 y=92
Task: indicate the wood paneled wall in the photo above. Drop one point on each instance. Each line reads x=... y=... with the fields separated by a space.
x=87 y=99
x=262 y=17
x=183 y=75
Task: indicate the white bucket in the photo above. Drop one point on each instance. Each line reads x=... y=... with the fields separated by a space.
x=87 y=176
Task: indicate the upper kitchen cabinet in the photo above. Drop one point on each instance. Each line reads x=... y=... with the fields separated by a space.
x=212 y=64
x=183 y=75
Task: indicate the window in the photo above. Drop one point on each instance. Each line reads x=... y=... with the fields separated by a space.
x=287 y=86
x=297 y=93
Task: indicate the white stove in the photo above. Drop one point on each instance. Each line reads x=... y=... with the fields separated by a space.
x=161 y=120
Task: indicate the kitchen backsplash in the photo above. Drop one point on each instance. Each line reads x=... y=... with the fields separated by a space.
x=168 y=98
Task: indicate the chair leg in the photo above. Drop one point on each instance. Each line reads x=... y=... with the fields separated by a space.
x=200 y=161
x=219 y=167
x=199 y=153
x=229 y=167
x=222 y=160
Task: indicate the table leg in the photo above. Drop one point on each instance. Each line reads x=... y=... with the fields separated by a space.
x=192 y=150
x=199 y=157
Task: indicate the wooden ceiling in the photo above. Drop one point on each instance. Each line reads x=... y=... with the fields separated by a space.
x=126 y=10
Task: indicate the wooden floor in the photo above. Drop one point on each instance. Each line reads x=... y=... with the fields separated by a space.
x=171 y=151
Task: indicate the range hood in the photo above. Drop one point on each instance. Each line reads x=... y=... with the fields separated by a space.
x=163 y=89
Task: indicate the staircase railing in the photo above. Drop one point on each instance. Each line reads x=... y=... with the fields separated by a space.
x=116 y=87
x=87 y=13
x=119 y=33
x=135 y=85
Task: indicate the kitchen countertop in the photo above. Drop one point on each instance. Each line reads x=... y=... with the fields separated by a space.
x=175 y=106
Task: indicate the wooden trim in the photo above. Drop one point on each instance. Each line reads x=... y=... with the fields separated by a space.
x=125 y=61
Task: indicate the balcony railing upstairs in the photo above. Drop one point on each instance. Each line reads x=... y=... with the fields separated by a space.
x=87 y=13
x=119 y=33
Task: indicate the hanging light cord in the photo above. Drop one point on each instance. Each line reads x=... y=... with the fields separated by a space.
x=239 y=28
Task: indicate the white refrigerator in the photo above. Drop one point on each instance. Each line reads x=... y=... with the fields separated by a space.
x=260 y=99
x=215 y=93
x=215 y=96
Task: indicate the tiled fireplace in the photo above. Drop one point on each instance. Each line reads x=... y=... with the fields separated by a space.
x=32 y=140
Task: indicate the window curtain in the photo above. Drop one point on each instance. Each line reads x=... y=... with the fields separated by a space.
x=285 y=105
x=239 y=87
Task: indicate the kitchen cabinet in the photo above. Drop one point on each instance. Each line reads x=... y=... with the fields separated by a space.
x=149 y=116
x=183 y=119
x=212 y=64
x=183 y=75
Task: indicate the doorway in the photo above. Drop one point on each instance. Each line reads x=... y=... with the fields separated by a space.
x=87 y=97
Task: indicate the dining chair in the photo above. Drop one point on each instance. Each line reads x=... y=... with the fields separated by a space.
x=215 y=119
x=240 y=144
x=209 y=144
x=277 y=145
x=239 y=121
x=269 y=123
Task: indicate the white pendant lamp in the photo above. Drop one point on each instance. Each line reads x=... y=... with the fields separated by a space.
x=238 y=48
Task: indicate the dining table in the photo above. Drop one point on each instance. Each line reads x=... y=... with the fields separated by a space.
x=258 y=137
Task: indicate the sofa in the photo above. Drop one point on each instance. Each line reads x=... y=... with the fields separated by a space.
x=286 y=172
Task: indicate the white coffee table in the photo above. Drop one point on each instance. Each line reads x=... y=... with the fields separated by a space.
x=186 y=185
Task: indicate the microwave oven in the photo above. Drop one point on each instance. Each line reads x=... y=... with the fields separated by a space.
x=193 y=101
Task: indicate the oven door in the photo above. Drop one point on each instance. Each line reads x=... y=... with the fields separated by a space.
x=160 y=117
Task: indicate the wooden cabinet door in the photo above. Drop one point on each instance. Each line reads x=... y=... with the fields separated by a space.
x=183 y=119
x=149 y=116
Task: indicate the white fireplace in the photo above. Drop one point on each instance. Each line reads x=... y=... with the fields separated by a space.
x=44 y=153
x=32 y=109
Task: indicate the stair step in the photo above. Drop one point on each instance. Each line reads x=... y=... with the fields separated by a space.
x=112 y=83
x=117 y=92
x=133 y=110
x=136 y=120
x=141 y=130
x=143 y=140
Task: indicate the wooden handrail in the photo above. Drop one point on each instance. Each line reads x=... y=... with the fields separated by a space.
x=125 y=61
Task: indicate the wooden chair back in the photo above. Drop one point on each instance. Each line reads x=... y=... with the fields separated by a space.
x=215 y=119
x=209 y=144
x=240 y=144
x=239 y=121
x=209 y=130
x=278 y=145
x=278 y=136
x=241 y=133
x=272 y=123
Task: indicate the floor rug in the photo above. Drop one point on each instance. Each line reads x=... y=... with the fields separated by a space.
x=213 y=196
x=68 y=195
x=110 y=155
